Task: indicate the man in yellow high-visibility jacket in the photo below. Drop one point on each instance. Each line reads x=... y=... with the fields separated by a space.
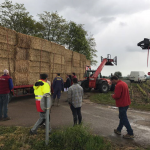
x=40 y=88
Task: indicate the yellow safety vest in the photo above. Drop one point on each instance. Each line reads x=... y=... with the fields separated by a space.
x=39 y=91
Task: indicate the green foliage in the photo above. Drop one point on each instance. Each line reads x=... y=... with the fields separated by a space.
x=103 y=98
x=118 y=74
x=51 y=26
x=17 y=18
x=72 y=138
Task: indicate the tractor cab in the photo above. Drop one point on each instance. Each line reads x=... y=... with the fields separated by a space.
x=89 y=73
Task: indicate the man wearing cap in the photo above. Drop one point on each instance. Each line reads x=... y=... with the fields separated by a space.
x=6 y=85
x=58 y=86
x=40 y=88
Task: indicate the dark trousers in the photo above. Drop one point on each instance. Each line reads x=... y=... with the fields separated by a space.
x=57 y=92
x=124 y=120
x=4 y=100
x=76 y=112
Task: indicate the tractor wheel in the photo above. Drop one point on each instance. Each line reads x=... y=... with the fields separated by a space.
x=104 y=87
x=85 y=86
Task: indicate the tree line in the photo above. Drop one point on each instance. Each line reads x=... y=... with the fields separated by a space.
x=50 y=26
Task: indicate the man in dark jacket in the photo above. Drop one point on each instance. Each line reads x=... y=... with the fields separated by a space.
x=122 y=97
x=68 y=82
x=6 y=85
x=58 y=86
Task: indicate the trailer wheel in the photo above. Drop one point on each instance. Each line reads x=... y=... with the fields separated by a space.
x=104 y=87
x=85 y=86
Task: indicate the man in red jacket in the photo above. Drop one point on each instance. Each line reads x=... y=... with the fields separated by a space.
x=6 y=85
x=122 y=97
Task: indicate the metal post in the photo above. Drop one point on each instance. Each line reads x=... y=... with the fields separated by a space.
x=47 y=100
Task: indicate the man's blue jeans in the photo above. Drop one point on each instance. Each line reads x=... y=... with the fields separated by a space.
x=4 y=100
x=124 y=120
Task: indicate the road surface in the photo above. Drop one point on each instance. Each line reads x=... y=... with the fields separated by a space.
x=102 y=119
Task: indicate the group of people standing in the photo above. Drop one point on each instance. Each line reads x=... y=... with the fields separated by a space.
x=75 y=96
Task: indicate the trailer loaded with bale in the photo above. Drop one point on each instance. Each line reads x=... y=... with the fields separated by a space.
x=26 y=57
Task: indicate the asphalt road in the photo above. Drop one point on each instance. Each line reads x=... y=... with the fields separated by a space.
x=102 y=119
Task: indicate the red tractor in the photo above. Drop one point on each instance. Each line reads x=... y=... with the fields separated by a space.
x=93 y=78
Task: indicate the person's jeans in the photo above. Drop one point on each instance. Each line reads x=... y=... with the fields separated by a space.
x=4 y=100
x=40 y=121
x=76 y=114
x=124 y=120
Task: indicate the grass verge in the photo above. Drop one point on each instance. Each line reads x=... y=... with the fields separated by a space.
x=105 y=98
x=72 y=138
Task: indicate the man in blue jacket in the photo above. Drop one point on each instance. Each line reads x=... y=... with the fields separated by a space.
x=58 y=86
x=6 y=85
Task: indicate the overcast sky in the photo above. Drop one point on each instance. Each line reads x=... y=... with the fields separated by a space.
x=117 y=26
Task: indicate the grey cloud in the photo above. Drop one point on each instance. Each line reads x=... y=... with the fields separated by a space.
x=123 y=24
x=107 y=19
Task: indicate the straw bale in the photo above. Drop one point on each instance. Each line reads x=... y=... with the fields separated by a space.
x=7 y=50
x=22 y=66
x=41 y=44
x=21 y=78
x=38 y=55
x=22 y=53
x=6 y=63
x=8 y=36
x=57 y=68
x=76 y=63
x=88 y=62
x=57 y=48
x=24 y=41
x=33 y=78
x=82 y=57
x=76 y=69
x=68 y=69
x=76 y=56
x=68 y=55
x=59 y=59
x=51 y=57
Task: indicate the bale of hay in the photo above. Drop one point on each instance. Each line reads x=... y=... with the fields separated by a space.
x=21 y=78
x=39 y=55
x=7 y=50
x=57 y=68
x=76 y=63
x=76 y=56
x=22 y=66
x=82 y=57
x=68 y=55
x=8 y=36
x=88 y=62
x=57 y=49
x=41 y=44
x=58 y=59
x=22 y=53
x=6 y=63
x=24 y=41
x=33 y=78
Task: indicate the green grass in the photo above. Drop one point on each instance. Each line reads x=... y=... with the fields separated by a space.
x=72 y=138
x=105 y=98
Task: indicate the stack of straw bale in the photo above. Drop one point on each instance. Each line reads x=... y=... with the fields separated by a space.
x=8 y=41
x=27 y=57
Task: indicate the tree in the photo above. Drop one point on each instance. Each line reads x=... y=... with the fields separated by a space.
x=118 y=74
x=55 y=27
x=78 y=40
x=17 y=18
